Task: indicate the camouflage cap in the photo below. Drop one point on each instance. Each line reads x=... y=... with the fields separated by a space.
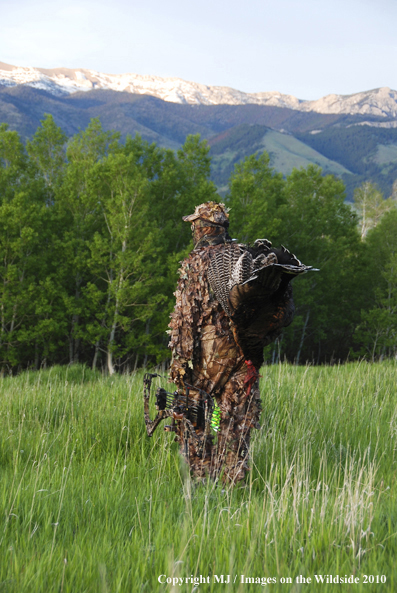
x=211 y=212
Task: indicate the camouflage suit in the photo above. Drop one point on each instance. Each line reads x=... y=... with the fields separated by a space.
x=206 y=355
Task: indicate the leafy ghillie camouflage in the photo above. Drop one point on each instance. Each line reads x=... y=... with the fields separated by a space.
x=231 y=301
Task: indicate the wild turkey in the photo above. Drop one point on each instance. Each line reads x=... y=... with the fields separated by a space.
x=231 y=301
x=252 y=283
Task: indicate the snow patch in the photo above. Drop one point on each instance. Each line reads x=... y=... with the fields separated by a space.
x=62 y=81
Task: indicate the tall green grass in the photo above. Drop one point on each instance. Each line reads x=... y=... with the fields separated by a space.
x=90 y=503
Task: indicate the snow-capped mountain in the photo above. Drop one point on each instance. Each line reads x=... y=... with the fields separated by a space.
x=63 y=81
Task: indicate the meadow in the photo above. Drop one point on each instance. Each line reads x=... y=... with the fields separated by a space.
x=90 y=503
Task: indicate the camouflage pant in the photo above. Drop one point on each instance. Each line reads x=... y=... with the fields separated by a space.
x=226 y=455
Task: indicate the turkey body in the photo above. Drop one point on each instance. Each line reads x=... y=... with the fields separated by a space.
x=231 y=301
x=253 y=286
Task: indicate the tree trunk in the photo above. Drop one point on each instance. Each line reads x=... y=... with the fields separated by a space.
x=36 y=356
x=147 y=333
x=70 y=348
x=94 y=362
x=302 y=337
x=76 y=350
x=75 y=346
x=111 y=369
x=74 y=343
x=109 y=357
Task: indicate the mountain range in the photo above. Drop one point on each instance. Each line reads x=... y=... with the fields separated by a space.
x=352 y=136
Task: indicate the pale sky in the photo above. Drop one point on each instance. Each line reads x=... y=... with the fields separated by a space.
x=307 y=49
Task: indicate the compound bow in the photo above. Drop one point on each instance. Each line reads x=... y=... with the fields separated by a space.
x=191 y=413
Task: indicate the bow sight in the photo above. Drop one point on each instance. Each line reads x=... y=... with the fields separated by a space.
x=193 y=414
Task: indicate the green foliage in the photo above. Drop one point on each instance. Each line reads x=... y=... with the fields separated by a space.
x=306 y=212
x=91 y=236
x=47 y=152
x=377 y=332
x=256 y=198
x=23 y=241
x=321 y=229
x=13 y=162
x=370 y=206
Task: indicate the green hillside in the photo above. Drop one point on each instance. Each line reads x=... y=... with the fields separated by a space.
x=286 y=152
x=368 y=152
x=335 y=142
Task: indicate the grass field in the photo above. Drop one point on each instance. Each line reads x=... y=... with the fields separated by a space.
x=90 y=503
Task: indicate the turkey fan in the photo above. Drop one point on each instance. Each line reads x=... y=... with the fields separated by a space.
x=252 y=285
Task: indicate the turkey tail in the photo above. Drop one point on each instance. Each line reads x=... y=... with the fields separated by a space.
x=225 y=263
x=237 y=272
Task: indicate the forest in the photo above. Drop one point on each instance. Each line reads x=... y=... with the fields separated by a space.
x=92 y=238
